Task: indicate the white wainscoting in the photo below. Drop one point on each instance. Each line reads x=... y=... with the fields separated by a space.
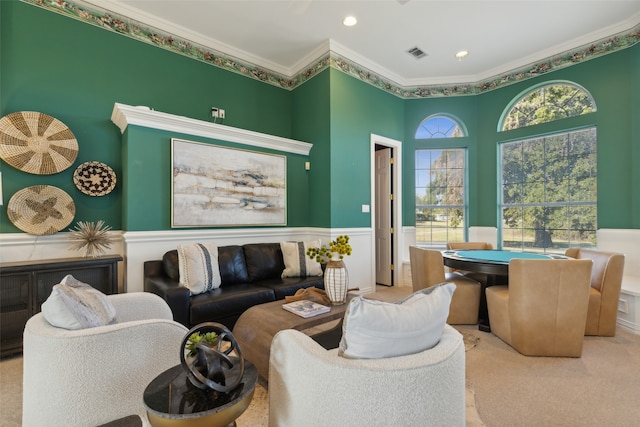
x=627 y=242
x=20 y=247
x=138 y=247
x=144 y=246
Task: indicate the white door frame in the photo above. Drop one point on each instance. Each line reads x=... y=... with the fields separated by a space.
x=397 y=203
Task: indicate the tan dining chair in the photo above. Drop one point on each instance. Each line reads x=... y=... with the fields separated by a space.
x=543 y=310
x=480 y=277
x=606 y=281
x=469 y=245
x=427 y=269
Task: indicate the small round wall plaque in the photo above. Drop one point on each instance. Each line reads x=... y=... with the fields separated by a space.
x=94 y=178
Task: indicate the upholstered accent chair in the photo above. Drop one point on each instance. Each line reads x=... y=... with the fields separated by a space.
x=606 y=282
x=313 y=387
x=543 y=310
x=427 y=269
x=90 y=377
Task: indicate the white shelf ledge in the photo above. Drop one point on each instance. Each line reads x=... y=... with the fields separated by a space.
x=125 y=115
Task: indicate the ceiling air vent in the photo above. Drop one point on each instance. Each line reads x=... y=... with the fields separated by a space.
x=416 y=52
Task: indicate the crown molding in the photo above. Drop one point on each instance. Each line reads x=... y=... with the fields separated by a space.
x=125 y=115
x=142 y=18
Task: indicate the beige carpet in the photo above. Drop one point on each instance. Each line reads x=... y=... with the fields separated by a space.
x=601 y=388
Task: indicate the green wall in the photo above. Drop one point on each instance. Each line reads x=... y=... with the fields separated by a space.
x=612 y=80
x=76 y=72
x=357 y=110
x=311 y=123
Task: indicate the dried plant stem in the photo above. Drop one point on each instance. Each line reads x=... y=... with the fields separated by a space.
x=91 y=237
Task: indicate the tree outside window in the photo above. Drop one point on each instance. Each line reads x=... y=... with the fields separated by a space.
x=548 y=191
x=546 y=103
x=440 y=197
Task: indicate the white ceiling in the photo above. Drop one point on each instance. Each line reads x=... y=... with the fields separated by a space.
x=284 y=36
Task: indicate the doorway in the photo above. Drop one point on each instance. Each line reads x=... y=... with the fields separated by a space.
x=384 y=215
x=386 y=211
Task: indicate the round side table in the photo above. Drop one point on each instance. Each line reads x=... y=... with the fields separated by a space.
x=172 y=401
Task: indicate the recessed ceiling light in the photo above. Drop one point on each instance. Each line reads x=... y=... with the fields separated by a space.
x=349 y=21
x=461 y=54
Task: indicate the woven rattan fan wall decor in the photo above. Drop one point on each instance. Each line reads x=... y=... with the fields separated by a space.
x=36 y=143
x=41 y=209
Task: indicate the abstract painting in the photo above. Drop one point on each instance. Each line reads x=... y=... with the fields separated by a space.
x=221 y=186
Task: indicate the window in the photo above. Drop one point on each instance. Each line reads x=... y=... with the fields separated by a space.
x=546 y=103
x=548 y=191
x=440 y=196
x=440 y=126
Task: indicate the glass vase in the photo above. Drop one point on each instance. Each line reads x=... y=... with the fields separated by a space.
x=336 y=282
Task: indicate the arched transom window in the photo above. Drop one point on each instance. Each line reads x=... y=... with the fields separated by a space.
x=545 y=103
x=440 y=126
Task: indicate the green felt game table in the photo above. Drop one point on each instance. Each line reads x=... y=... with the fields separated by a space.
x=490 y=262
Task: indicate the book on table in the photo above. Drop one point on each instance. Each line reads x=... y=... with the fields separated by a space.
x=305 y=308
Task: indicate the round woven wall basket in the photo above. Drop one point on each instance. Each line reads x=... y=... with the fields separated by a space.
x=41 y=209
x=94 y=178
x=36 y=143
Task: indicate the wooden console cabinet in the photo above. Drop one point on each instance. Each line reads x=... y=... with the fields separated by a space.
x=24 y=286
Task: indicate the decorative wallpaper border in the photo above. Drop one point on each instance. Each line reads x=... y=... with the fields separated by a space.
x=131 y=28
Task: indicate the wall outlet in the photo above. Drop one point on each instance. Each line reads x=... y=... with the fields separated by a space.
x=623 y=306
x=217 y=113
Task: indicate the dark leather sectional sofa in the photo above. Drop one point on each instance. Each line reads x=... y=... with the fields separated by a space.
x=251 y=274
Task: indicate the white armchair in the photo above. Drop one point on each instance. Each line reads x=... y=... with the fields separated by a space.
x=310 y=386
x=93 y=376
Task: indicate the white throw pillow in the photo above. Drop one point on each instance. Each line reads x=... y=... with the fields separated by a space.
x=376 y=329
x=76 y=305
x=198 y=266
x=296 y=261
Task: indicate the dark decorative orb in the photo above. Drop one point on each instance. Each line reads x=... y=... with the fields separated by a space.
x=217 y=365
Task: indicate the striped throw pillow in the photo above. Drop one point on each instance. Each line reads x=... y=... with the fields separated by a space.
x=296 y=261
x=198 y=265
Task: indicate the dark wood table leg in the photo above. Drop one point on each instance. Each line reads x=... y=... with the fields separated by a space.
x=483 y=312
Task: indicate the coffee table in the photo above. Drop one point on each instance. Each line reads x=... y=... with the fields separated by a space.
x=257 y=326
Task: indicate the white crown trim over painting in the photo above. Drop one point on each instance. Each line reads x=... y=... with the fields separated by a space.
x=125 y=115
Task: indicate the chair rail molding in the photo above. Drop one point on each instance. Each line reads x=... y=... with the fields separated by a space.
x=125 y=115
